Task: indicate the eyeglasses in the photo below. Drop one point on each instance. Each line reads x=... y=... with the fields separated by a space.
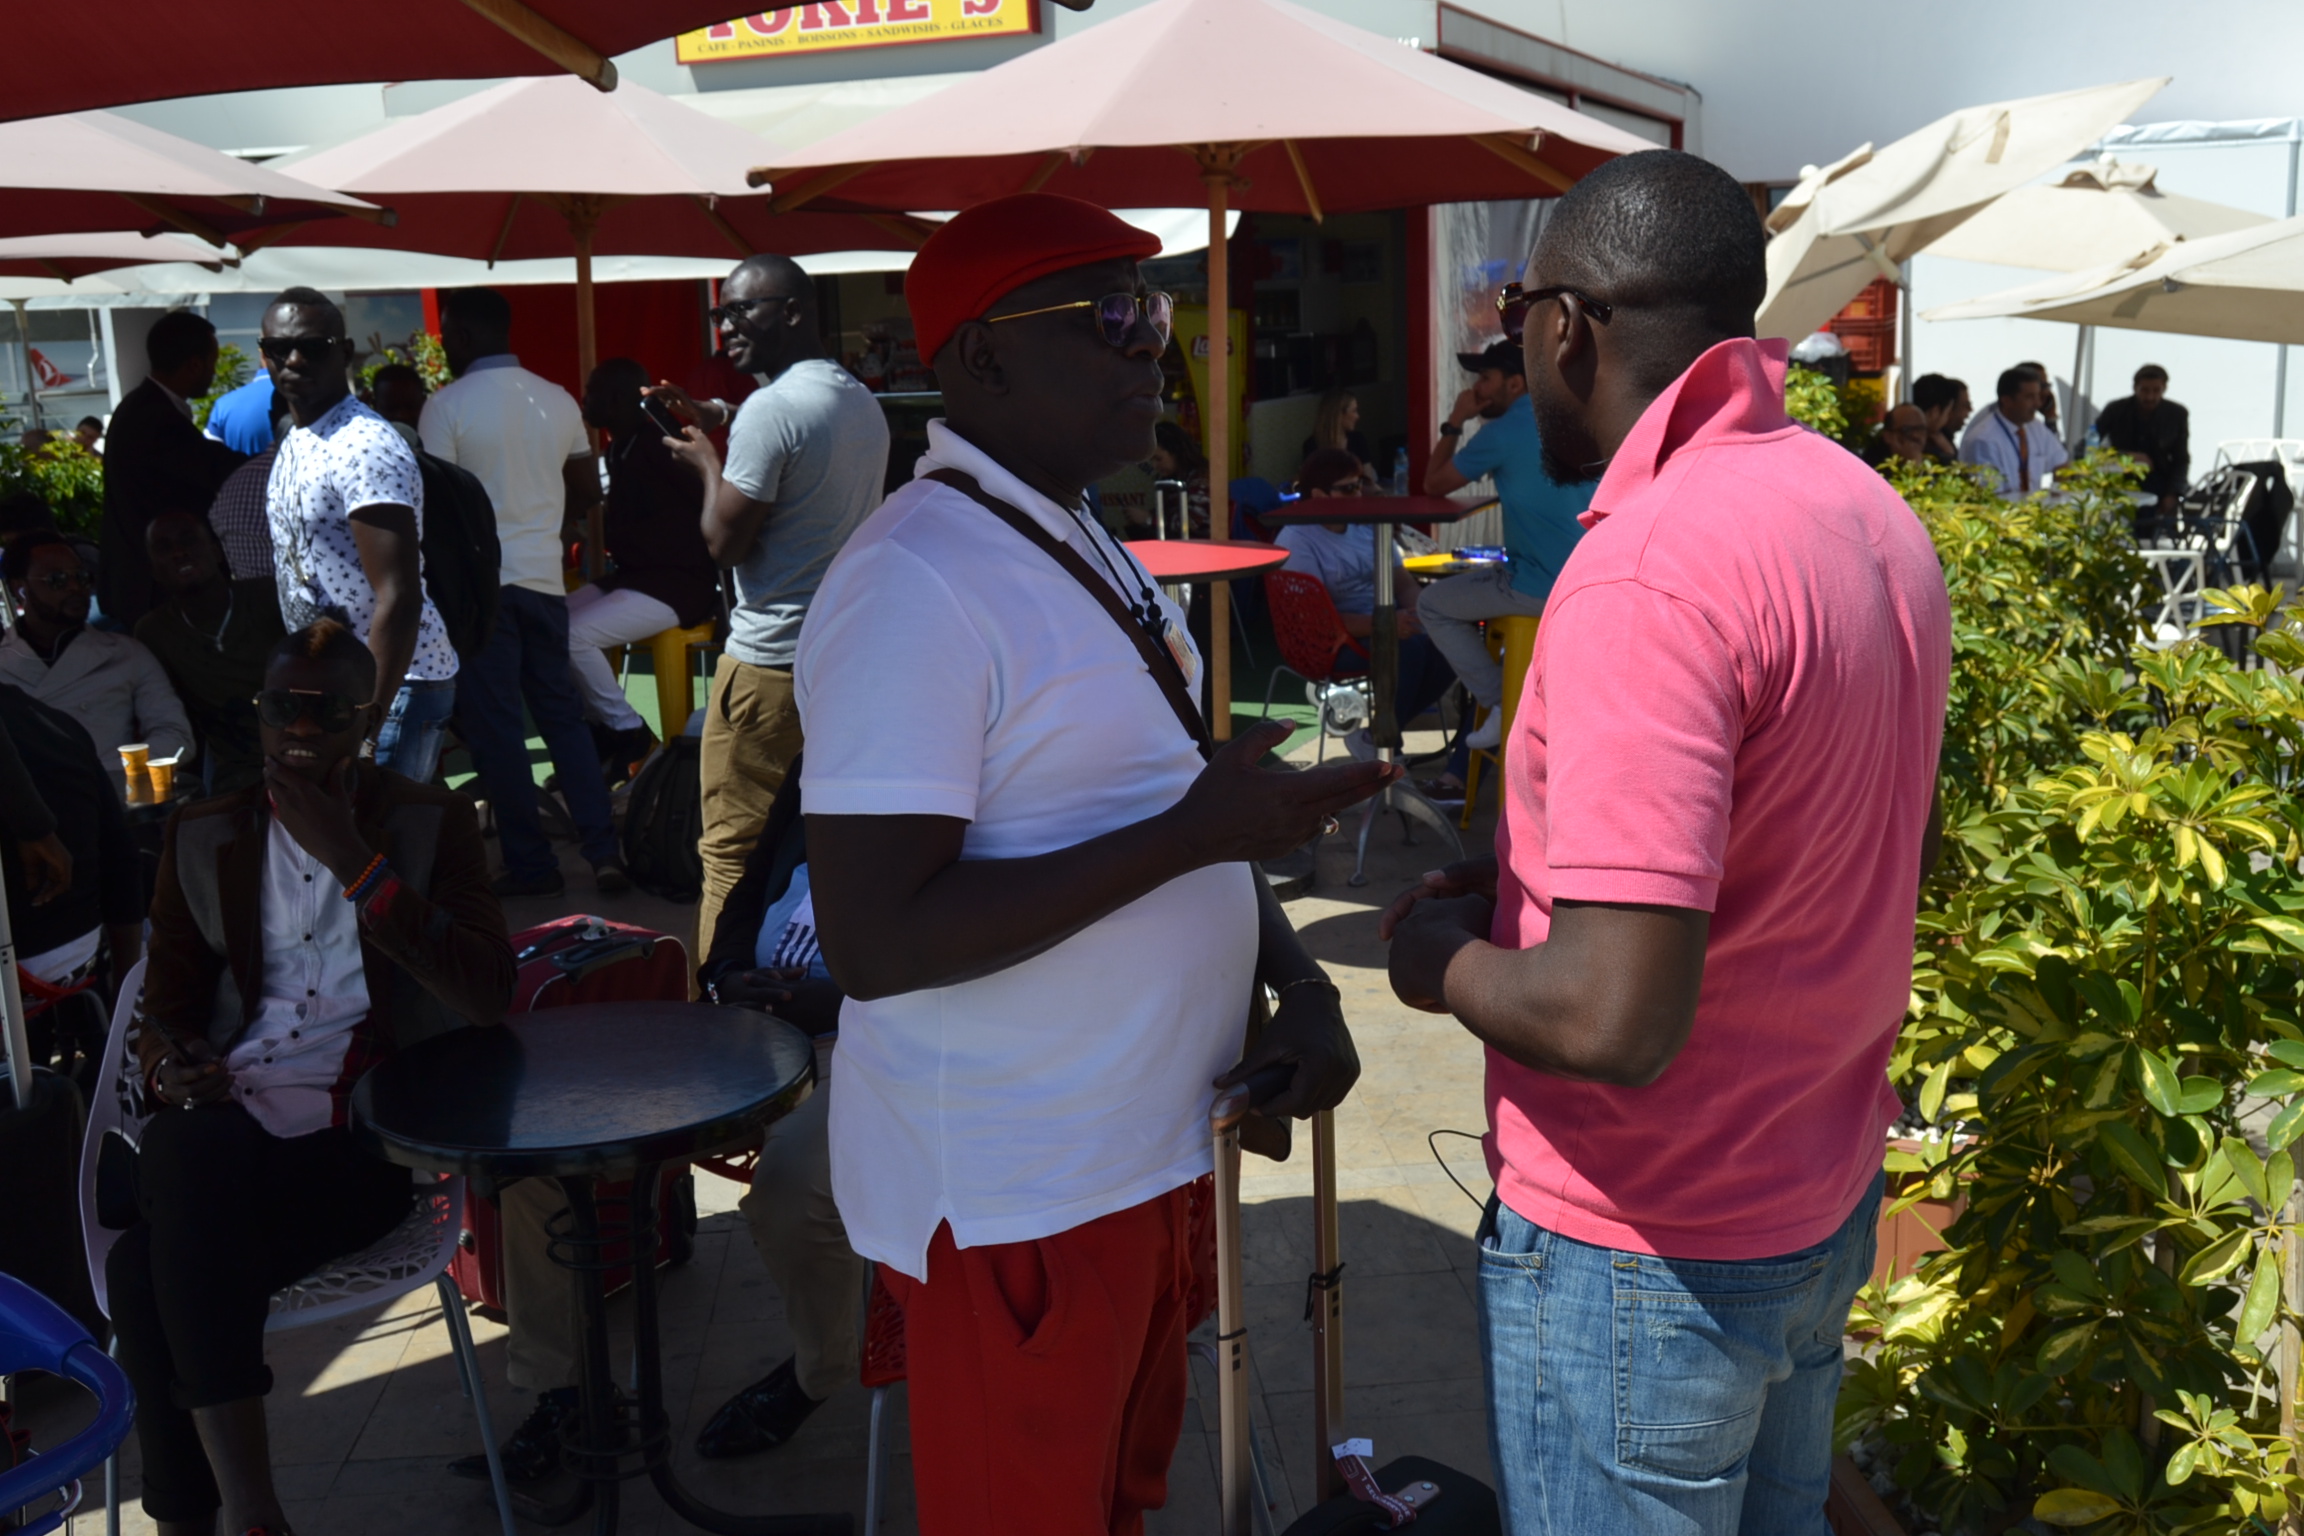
x=58 y=581
x=278 y=349
x=1116 y=315
x=740 y=310
x=1530 y=297
x=280 y=708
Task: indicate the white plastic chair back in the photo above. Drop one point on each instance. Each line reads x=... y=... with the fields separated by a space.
x=118 y=1104
x=409 y=1257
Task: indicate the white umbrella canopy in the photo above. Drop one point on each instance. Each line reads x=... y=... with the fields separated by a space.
x=1861 y=216
x=2099 y=214
x=68 y=257
x=2247 y=285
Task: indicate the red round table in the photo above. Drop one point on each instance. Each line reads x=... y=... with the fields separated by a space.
x=1185 y=560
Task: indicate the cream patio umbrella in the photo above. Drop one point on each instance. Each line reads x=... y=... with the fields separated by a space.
x=2247 y=285
x=1866 y=213
x=2100 y=213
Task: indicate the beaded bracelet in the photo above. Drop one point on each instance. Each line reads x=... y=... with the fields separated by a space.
x=367 y=878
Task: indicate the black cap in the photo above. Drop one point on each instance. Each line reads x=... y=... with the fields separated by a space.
x=1501 y=355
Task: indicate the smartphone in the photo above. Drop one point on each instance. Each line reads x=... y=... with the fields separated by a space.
x=661 y=414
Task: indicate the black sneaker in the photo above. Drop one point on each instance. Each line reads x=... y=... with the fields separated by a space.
x=533 y=1452
x=609 y=878
x=510 y=884
x=761 y=1417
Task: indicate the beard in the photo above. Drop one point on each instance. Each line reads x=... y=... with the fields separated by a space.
x=1572 y=455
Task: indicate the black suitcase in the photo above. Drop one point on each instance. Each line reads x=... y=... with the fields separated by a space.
x=1446 y=1502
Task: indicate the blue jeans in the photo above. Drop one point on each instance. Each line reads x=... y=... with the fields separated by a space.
x=1643 y=1396
x=409 y=741
x=526 y=661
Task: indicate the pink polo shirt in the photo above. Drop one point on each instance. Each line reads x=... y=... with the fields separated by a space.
x=1735 y=706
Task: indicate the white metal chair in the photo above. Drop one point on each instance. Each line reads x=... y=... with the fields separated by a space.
x=412 y=1255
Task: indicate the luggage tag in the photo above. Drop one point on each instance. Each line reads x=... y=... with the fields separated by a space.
x=1401 y=1507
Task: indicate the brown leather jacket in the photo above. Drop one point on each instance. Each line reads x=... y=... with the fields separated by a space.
x=436 y=958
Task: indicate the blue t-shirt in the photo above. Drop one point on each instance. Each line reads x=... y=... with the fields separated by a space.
x=1540 y=524
x=241 y=419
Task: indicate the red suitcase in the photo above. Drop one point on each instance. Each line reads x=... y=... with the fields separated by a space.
x=587 y=960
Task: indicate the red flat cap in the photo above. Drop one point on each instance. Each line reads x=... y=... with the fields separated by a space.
x=997 y=247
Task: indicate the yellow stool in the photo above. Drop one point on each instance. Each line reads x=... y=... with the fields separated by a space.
x=1515 y=633
x=668 y=651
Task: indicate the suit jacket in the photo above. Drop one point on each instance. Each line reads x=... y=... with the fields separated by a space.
x=436 y=957
x=155 y=461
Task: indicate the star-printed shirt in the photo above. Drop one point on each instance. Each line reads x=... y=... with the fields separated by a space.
x=350 y=458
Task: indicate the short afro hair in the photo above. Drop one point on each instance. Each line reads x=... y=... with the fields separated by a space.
x=176 y=338
x=477 y=309
x=301 y=297
x=1665 y=233
x=2151 y=371
x=330 y=641
x=16 y=564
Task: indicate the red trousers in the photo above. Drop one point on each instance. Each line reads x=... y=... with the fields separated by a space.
x=1046 y=1379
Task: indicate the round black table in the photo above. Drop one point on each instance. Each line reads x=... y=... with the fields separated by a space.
x=600 y=1090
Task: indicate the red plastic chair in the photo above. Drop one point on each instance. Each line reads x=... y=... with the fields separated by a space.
x=1311 y=634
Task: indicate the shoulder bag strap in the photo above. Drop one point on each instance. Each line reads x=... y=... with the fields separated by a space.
x=1157 y=659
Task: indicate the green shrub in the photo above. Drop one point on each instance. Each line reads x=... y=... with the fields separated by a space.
x=2105 y=1012
x=61 y=473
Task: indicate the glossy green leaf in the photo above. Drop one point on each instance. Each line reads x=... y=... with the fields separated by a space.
x=2261 y=1304
x=2061 y=1351
x=2285 y=1126
x=2287 y=1052
x=2198 y=1095
x=2219 y=1258
x=2279 y=1179
x=2073 y=1506
x=2276 y=1083
x=2180 y=1465
x=1932 y=1089
x=2135 y=1158
x=2160 y=1086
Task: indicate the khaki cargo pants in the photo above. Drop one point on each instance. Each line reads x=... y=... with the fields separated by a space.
x=751 y=736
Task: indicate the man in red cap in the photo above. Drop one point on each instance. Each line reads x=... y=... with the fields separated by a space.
x=1039 y=896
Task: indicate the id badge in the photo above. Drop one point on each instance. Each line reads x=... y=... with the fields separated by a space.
x=1180 y=647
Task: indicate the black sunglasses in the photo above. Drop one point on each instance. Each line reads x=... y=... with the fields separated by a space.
x=280 y=708
x=1116 y=315
x=740 y=310
x=278 y=349
x=1526 y=298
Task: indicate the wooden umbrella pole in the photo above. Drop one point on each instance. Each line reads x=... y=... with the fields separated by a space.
x=581 y=217
x=1216 y=168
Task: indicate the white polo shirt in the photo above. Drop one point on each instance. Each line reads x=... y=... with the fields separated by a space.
x=517 y=431
x=950 y=668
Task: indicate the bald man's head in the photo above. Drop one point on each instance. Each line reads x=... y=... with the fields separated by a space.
x=766 y=319
x=1905 y=434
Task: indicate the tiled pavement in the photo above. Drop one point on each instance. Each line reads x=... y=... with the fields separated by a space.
x=365 y=1412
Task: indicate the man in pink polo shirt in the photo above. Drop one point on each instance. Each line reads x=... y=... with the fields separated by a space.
x=1691 y=954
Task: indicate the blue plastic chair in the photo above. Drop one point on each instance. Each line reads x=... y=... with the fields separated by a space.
x=37 y=1335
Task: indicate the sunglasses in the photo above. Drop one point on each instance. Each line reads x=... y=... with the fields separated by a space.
x=278 y=349
x=58 y=581
x=1523 y=299
x=737 y=311
x=280 y=708
x=1116 y=315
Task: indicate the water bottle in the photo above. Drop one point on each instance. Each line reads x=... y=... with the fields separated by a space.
x=1400 y=472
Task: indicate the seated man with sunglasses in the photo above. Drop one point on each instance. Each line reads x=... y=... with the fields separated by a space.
x=108 y=682
x=346 y=506
x=304 y=928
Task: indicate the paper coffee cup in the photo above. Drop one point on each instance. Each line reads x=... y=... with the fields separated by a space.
x=135 y=757
x=163 y=772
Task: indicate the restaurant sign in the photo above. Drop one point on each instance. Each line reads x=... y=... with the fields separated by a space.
x=832 y=24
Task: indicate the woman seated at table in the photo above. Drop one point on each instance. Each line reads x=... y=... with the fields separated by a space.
x=1343 y=556
x=303 y=929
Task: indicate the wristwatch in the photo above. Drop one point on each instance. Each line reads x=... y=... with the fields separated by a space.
x=1450 y=429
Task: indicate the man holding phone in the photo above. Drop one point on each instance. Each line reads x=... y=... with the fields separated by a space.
x=662 y=576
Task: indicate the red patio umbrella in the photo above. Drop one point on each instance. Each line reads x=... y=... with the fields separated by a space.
x=1259 y=105
x=62 y=59
x=94 y=172
x=548 y=166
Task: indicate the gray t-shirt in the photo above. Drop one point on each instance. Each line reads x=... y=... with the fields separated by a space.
x=813 y=446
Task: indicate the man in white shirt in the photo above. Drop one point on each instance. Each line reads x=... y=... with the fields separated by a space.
x=1040 y=899
x=523 y=435
x=110 y=683
x=346 y=508
x=2011 y=440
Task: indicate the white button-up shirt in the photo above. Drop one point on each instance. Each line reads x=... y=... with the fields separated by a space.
x=315 y=991
x=350 y=458
x=1991 y=441
x=950 y=668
